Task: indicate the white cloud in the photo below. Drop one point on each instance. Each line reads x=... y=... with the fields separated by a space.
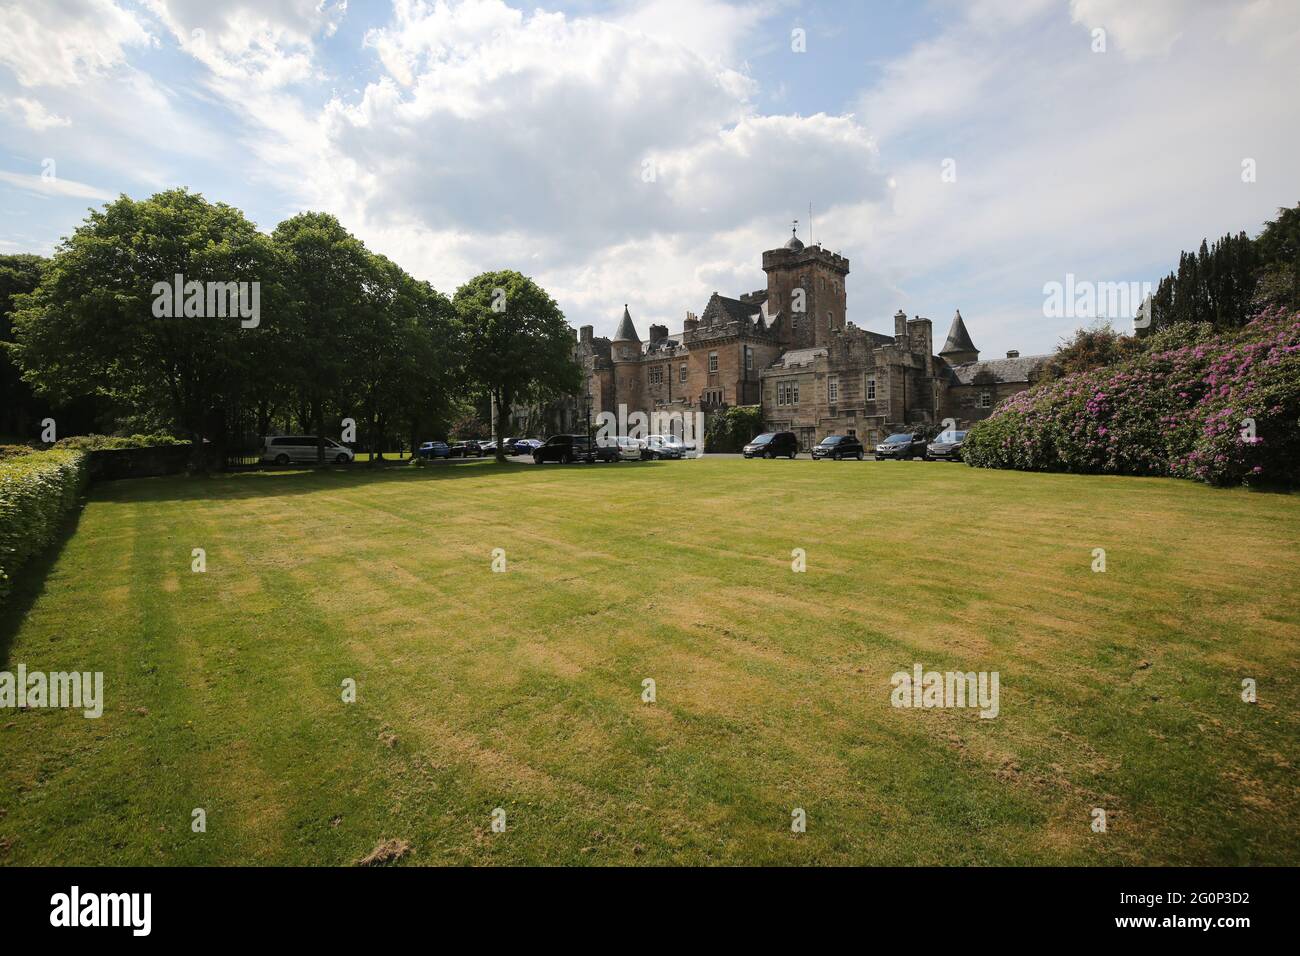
x=33 y=113
x=54 y=186
x=62 y=42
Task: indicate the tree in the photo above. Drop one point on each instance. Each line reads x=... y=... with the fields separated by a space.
x=19 y=275
x=518 y=347
x=327 y=278
x=99 y=322
x=1279 y=255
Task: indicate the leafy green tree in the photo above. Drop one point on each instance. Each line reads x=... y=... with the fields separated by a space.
x=518 y=348
x=19 y=275
x=96 y=324
x=1279 y=255
x=328 y=317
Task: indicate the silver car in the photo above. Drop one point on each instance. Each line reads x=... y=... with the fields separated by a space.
x=283 y=449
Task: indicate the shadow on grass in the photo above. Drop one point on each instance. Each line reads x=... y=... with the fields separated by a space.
x=232 y=486
x=29 y=584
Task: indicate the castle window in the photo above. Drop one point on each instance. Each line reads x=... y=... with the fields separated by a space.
x=787 y=393
x=871 y=389
x=832 y=390
x=713 y=361
x=985 y=400
x=657 y=375
x=683 y=372
x=749 y=357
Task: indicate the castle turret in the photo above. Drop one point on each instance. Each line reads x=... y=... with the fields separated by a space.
x=959 y=349
x=626 y=330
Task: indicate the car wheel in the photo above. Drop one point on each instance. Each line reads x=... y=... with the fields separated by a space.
x=282 y=459
x=793 y=455
x=859 y=456
x=340 y=459
x=566 y=459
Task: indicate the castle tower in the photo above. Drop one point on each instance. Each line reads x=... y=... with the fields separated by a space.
x=806 y=285
x=625 y=353
x=959 y=348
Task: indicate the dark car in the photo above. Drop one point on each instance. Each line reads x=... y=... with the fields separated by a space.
x=946 y=446
x=837 y=447
x=902 y=446
x=466 y=449
x=566 y=449
x=772 y=445
x=434 y=449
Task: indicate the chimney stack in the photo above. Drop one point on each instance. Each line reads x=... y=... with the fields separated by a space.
x=1013 y=354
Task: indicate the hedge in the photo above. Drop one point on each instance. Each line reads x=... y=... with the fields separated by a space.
x=1223 y=408
x=36 y=492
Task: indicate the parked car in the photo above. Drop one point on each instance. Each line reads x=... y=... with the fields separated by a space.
x=630 y=449
x=517 y=446
x=837 y=447
x=902 y=446
x=434 y=449
x=466 y=449
x=566 y=449
x=687 y=448
x=660 y=446
x=526 y=446
x=283 y=449
x=489 y=447
x=772 y=445
x=946 y=446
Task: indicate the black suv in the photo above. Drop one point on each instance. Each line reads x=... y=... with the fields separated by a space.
x=902 y=446
x=772 y=445
x=838 y=446
x=571 y=448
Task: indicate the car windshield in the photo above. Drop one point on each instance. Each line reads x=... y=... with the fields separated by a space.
x=762 y=439
x=897 y=439
x=950 y=437
x=832 y=439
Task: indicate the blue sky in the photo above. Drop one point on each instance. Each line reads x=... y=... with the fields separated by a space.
x=462 y=136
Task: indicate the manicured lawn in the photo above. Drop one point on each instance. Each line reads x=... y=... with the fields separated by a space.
x=522 y=690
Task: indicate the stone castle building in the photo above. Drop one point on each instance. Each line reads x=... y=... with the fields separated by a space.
x=790 y=348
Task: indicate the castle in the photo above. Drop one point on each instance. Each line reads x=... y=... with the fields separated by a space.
x=790 y=349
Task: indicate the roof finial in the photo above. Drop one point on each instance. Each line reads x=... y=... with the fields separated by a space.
x=794 y=227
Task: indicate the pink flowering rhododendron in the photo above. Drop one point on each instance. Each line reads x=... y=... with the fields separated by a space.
x=1223 y=408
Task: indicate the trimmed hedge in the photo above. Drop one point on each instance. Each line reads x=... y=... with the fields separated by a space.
x=1223 y=408
x=118 y=442
x=36 y=491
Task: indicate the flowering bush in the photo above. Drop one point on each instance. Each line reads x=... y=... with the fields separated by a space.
x=1218 y=408
x=36 y=491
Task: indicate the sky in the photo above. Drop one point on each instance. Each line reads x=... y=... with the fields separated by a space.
x=962 y=155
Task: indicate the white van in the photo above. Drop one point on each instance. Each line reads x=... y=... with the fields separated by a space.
x=286 y=448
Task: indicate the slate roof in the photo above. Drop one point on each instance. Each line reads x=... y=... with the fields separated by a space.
x=958 y=338
x=626 y=330
x=998 y=371
x=793 y=357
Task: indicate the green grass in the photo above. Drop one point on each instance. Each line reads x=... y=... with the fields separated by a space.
x=522 y=690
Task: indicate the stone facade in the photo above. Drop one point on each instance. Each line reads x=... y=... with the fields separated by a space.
x=791 y=349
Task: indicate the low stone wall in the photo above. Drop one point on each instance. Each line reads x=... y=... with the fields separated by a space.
x=112 y=464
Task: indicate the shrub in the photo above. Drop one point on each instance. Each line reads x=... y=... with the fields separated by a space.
x=36 y=491
x=731 y=428
x=13 y=451
x=116 y=442
x=1223 y=409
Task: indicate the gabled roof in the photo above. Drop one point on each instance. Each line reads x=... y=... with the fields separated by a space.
x=958 y=338
x=626 y=330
